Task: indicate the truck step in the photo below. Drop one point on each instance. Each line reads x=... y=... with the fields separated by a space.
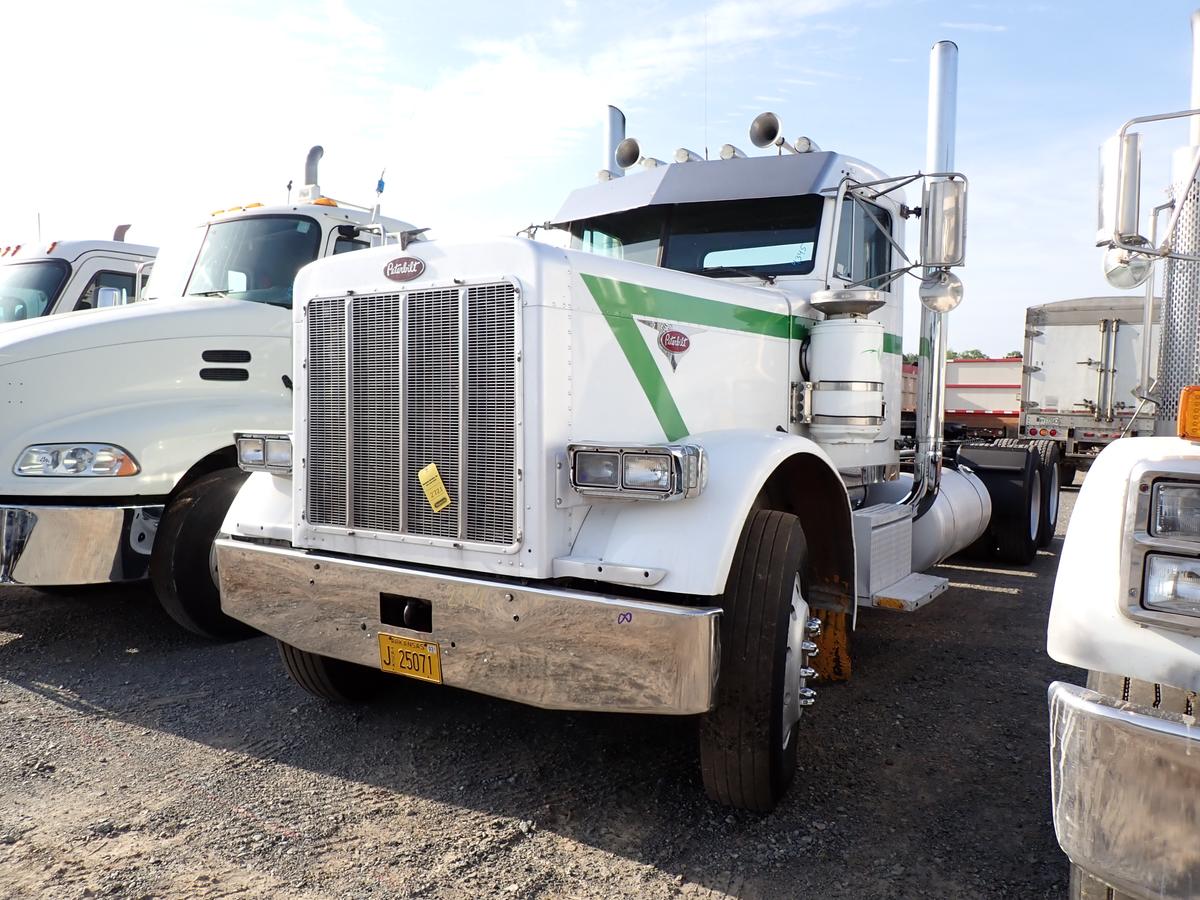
x=910 y=593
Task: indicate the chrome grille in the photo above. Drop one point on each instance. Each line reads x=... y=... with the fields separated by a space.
x=326 y=488
x=418 y=377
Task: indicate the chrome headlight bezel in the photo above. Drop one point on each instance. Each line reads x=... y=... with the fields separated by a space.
x=1142 y=540
x=75 y=459
x=683 y=470
x=274 y=451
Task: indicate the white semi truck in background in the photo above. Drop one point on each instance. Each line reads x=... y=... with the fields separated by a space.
x=627 y=476
x=116 y=455
x=1125 y=750
x=43 y=278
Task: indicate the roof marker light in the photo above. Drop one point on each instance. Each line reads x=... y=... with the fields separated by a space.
x=50 y=247
x=324 y=201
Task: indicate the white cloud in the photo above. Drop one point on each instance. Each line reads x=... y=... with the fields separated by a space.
x=988 y=27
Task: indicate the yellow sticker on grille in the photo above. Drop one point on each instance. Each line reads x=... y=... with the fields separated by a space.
x=434 y=487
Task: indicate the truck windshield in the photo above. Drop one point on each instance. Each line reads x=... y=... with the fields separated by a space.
x=254 y=258
x=726 y=239
x=28 y=290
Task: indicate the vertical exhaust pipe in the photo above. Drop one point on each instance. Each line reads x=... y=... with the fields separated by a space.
x=310 y=164
x=931 y=369
x=614 y=133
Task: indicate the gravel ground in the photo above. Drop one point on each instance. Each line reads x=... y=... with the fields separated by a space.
x=137 y=761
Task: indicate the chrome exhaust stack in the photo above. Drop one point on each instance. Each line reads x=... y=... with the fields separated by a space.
x=311 y=190
x=931 y=366
x=614 y=135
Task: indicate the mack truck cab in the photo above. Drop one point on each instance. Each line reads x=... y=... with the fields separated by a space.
x=64 y=276
x=116 y=447
x=1125 y=746
x=629 y=475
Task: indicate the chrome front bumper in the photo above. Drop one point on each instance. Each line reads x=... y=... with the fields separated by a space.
x=552 y=648
x=1125 y=786
x=62 y=545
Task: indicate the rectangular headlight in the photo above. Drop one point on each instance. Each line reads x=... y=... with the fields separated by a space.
x=1177 y=511
x=264 y=452
x=75 y=460
x=660 y=472
x=595 y=469
x=1172 y=585
x=646 y=471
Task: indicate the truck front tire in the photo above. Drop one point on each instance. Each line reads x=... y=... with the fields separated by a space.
x=181 y=565
x=748 y=740
x=330 y=679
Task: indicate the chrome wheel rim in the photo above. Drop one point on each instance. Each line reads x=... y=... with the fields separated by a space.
x=1035 y=504
x=794 y=662
x=1052 y=506
x=212 y=564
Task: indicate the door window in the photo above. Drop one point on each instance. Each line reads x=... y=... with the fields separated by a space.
x=122 y=281
x=864 y=253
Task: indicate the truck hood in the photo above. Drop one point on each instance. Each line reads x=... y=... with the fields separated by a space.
x=194 y=317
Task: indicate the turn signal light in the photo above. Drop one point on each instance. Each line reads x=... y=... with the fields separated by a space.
x=1189 y=413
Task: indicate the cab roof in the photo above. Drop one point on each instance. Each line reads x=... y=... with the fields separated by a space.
x=749 y=178
x=71 y=250
x=338 y=214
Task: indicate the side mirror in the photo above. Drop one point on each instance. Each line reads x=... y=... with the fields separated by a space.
x=944 y=224
x=1120 y=188
x=109 y=296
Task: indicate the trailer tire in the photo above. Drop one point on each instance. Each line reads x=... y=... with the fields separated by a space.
x=182 y=568
x=1018 y=527
x=1048 y=453
x=328 y=678
x=747 y=744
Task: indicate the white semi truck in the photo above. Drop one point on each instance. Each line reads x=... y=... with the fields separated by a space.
x=1125 y=749
x=626 y=476
x=63 y=276
x=116 y=447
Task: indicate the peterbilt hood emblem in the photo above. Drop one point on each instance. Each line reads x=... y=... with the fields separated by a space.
x=404 y=268
x=671 y=340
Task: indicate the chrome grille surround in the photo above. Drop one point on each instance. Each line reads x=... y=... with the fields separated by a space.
x=398 y=380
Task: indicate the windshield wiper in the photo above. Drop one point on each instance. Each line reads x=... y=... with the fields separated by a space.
x=209 y=294
x=766 y=279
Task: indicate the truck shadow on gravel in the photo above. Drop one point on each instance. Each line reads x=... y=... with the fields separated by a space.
x=926 y=775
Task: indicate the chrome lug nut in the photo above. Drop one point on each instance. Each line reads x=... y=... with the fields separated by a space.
x=810 y=648
x=806 y=672
x=813 y=627
x=807 y=696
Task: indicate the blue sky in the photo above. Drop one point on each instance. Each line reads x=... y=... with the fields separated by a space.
x=486 y=114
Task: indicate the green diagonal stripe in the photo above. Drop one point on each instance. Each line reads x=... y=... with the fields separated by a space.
x=892 y=343
x=625 y=330
x=620 y=298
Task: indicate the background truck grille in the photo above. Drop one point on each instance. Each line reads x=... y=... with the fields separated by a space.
x=417 y=377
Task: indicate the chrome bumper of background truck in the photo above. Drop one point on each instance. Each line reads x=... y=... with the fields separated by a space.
x=552 y=648
x=1125 y=785
x=62 y=545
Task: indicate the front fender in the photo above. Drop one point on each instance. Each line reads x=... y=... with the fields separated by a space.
x=694 y=540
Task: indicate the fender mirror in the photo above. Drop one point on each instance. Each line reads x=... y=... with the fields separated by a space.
x=944 y=224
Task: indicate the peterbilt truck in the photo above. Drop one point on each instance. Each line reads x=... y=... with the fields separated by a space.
x=1125 y=749
x=117 y=459
x=631 y=475
x=40 y=279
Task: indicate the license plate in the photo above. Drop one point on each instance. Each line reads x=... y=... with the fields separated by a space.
x=406 y=656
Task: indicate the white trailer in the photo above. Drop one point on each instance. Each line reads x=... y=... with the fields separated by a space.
x=632 y=475
x=1083 y=374
x=1125 y=749
x=983 y=398
x=41 y=279
x=118 y=459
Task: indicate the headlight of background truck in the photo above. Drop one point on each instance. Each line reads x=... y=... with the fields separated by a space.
x=264 y=452
x=75 y=460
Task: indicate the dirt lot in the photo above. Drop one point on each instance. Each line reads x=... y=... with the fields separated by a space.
x=139 y=762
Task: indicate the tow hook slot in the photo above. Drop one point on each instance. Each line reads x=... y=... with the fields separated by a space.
x=406 y=612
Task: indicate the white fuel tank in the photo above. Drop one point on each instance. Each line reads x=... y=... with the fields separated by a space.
x=845 y=364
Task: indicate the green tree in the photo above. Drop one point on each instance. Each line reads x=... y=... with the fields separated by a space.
x=1013 y=354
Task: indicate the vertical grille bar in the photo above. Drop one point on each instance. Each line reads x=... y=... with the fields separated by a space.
x=348 y=318
x=491 y=413
x=432 y=396
x=326 y=372
x=464 y=500
x=375 y=418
